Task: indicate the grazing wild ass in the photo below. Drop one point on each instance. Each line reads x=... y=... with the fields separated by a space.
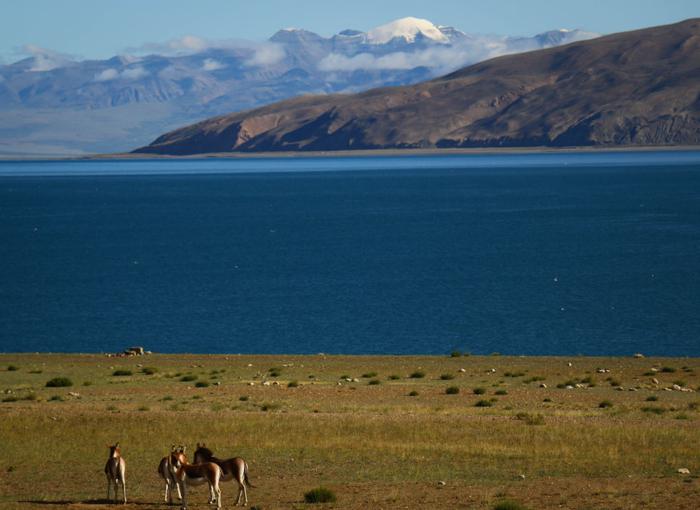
x=234 y=469
x=115 y=470
x=196 y=474
x=167 y=474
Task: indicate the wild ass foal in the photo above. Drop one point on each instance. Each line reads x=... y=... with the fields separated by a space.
x=115 y=470
x=234 y=469
x=195 y=474
x=167 y=474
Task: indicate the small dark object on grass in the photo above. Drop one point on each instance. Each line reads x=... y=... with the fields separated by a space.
x=447 y=377
x=149 y=370
x=292 y=384
x=59 y=382
x=501 y=392
x=56 y=398
x=418 y=374
x=455 y=354
x=394 y=377
x=122 y=372
x=10 y=399
x=509 y=505
x=243 y=398
x=530 y=419
x=547 y=400
x=652 y=398
x=369 y=375
x=605 y=404
x=452 y=390
x=202 y=384
x=320 y=495
x=414 y=393
x=374 y=382
x=12 y=368
x=479 y=391
x=653 y=410
x=483 y=403
x=668 y=370
x=188 y=378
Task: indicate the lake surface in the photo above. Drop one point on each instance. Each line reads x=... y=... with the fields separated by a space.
x=520 y=254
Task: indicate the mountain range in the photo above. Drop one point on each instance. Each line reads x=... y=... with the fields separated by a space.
x=633 y=88
x=53 y=104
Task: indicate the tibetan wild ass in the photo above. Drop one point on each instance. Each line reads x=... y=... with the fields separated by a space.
x=115 y=470
x=234 y=469
x=166 y=472
x=196 y=474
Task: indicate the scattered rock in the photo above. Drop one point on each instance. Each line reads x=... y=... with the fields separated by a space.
x=251 y=384
x=676 y=387
x=638 y=355
x=521 y=476
x=493 y=371
x=543 y=385
x=266 y=383
x=655 y=381
x=603 y=371
x=250 y=364
x=631 y=389
x=569 y=387
x=683 y=471
x=217 y=383
x=462 y=370
x=620 y=388
x=74 y=394
x=654 y=369
x=442 y=483
x=569 y=364
x=579 y=385
x=355 y=380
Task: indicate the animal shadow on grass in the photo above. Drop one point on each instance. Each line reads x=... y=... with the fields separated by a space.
x=99 y=501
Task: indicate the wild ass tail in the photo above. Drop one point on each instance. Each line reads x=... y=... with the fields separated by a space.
x=245 y=475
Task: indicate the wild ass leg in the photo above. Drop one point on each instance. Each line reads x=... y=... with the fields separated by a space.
x=183 y=491
x=109 y=484
x=122 y=476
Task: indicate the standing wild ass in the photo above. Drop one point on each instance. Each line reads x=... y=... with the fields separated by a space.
x=115 y=470
x=195 y=474
x=234 y=469
x=166 y=472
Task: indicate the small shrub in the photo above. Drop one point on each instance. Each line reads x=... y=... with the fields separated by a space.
x=615 y=382
x=501 y=392
x=292 y=384
x=451 y=390
x=369 y=375
x=201 y=384
x=149 y=370
x=530 y=419
x=36 y=371
x=547 y=400
x=605 y=404
x=320 y=495
x=414 y=393
x=188 y=378
x=243 y=398
x=680 y=383
x=144 y=408
x=122 y=373
x=479 y=391
x=514 y=374
x=87 y=383
x=652 y=398
x=534 y=378
x=418 y=374
x=275 y=371
x=12 y=368
x=668 y=370
x=30 y=396
x=394 y=377
x=509 y=505
x=166 y=398
x=10 y=399
x=59 y=382
x=653 y=410
x=374 y=382
x=56 y=398
x=455 y=354
x=270 y=407
x=447 y=377
x=681 y=416
x=483 y=403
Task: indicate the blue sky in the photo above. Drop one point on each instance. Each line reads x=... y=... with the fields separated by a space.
x=103 y=28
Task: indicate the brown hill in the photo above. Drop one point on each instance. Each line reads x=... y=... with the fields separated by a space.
x=632 y=88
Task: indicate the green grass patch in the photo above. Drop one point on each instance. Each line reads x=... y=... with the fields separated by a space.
x=418 y=374
x=122 y=373
x=451 y=390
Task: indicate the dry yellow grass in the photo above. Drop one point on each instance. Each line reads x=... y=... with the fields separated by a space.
x=372 y=444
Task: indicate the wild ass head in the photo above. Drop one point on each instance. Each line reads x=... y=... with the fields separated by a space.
x=114 y=451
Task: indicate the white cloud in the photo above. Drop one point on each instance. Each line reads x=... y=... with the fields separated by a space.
x=44 y=60
x=210 y=64
x=131 y=73
x=185 y=45
x=266 y=54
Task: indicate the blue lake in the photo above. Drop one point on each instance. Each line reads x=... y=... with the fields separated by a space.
x=578 y=253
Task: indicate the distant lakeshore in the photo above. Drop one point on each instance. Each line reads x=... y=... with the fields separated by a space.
x=355 y=153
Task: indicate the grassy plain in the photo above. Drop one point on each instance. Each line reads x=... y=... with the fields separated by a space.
x=371 y=429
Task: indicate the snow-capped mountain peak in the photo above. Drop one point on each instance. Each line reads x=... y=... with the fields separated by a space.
x=406 y=28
